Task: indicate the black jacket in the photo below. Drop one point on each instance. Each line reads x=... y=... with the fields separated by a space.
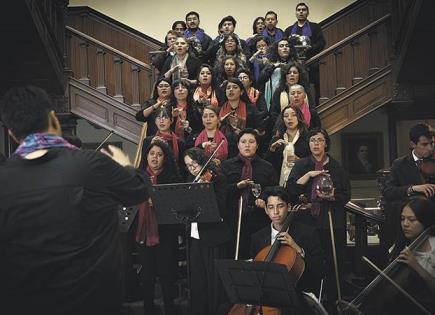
x=341 y=185
x=192 y=64
x=308 y=239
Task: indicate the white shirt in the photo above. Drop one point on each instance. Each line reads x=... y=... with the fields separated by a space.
x=427 y=259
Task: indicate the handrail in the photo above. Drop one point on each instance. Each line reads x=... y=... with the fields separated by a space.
x=110 y=49
x=348 y=39
x=358 y=210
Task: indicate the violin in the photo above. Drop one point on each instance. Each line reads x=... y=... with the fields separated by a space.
x=206 y=177
x=276 y=253
x=205 y=174
x=376 y=292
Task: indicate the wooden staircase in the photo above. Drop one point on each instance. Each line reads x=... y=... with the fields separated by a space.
x=111 y=74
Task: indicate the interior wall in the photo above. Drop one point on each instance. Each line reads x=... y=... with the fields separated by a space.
x=155 y=18
x=377 y=121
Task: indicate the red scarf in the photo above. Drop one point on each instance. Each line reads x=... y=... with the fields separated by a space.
x=246 y=174
x=315 y=202
x=253 y=95
x=171 y=139
x=222 y=152
x=241 y=113
x=147 y=228
x=306 y=112
x=209 y=95
x=179 y=130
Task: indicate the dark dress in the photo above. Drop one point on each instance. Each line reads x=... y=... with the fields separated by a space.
x=206 y=287
x=254 y=218
x=342 y=196
x=150 y=120
x=60 y=250
x=161 y=260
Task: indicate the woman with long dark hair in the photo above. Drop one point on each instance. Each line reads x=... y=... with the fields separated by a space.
x=158 y=244
x=416 y=216
x=236 y=113
x=205 y=93
x=208 y=241
x=289 y=142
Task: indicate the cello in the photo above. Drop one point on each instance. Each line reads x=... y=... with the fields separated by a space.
x=399 y=274
x=275 y=253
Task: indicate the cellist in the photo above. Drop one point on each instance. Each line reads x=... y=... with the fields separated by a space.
x=415 y=216
x=303 y=238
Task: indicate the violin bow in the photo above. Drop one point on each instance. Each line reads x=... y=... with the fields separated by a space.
x=208 y=161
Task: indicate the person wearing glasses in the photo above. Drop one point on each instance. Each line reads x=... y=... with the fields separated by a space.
x=160 y=99
x=304 y=185
x=208 y=241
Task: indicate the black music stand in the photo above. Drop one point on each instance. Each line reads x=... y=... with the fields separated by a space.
x=258 y=283
x=184 y=203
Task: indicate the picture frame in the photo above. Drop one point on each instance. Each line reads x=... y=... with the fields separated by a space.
x=362 y=154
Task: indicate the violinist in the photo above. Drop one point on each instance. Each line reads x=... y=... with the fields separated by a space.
x=405 y=178
x=303 y=238
x=208 y=241
x=416 y=215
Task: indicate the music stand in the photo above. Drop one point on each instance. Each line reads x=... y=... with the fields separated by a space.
x=258 y=283
x=184 y=203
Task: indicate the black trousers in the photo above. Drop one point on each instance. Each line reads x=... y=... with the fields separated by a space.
x=162 y=261
x=207 y=292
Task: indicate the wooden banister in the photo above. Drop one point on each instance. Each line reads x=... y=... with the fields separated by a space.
x=348 y=40
x=109 y=49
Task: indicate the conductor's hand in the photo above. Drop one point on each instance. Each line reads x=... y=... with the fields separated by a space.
x=117 y=155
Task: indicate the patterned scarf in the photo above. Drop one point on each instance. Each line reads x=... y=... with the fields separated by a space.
x=289 y=150
x=246 y=174
x=171 y=139
x=222 y=152
x=315 y=201
x=179 y=130
x=147 y=228
x=199 y=34
x=209 y=95
x=183 y=72
x=41 y=141
x=306 y=29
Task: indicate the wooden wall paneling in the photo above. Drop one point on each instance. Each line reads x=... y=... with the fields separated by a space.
x=101 y=70
x=118 y=79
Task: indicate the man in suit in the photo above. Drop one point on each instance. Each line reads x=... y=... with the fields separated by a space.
x=405 y=178
x=302 y=238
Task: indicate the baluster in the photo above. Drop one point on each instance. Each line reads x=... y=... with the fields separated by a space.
x=83 y=60
x=135 y=86
x=118 y=79
x=373 y=55
x=101 y=71
x=339 y=70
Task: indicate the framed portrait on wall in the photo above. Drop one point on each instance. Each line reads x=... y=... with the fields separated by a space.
x=362 y=154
